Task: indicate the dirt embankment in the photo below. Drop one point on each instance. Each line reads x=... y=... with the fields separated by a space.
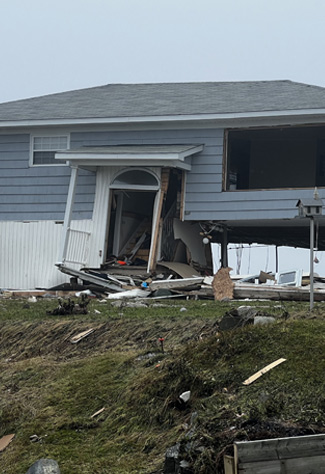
x=22 y=340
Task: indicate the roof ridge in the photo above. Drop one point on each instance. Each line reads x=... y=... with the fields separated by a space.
x=103 y=86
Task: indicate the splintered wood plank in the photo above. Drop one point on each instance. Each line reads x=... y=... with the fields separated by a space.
x=5 y=440
x=81 y=335
x=263 y=371
x=98 y=412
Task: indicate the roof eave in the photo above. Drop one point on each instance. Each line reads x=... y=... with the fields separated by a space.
x=307 y=113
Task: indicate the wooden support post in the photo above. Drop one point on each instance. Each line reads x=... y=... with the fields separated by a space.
x=68 y=215
x=224 y=248
x=117 y=224
x=157 y=221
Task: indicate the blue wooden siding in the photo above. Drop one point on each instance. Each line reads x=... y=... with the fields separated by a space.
x=38 y=192
x=206 y=173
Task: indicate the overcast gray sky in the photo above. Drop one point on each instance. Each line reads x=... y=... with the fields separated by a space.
x=51 y=46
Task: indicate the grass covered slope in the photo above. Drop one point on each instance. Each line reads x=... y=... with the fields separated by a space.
x=50 y=387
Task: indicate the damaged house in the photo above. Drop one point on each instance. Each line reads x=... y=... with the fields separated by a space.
x=144 y=172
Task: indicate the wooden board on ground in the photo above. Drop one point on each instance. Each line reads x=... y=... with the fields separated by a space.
x=98 y=412
x=263 y=371
x=81 y=335
x=5 y=440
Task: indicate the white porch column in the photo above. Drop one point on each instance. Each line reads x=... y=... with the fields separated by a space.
x=68 y=215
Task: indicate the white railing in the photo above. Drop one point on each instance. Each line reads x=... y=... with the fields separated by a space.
x=78 y=246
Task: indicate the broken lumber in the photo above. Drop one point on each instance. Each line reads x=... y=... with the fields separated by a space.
x=81 y=335
x=263 y=371
x=96 y=280
x=276 y=292
x=5 y=441
x=98 y=412
x=177 y=283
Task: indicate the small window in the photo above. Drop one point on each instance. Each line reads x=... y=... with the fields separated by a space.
x=45 y=147
x=136 y=178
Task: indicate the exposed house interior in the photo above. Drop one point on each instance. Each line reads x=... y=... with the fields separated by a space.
x=275 y=158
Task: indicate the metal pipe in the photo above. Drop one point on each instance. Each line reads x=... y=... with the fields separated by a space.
x=311 y=271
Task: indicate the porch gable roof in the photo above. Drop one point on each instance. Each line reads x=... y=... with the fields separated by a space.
x=131 y=155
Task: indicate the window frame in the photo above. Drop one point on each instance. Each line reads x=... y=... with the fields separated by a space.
x=46 y=135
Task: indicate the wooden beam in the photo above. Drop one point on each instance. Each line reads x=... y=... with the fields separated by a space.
x=157 y=221
x=263 y=371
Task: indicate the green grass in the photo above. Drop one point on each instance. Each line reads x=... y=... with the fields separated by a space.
x=50 y=387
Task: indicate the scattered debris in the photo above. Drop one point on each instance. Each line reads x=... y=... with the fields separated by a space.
x=238 y=317
x=5 y=441
x=177 y=283
x=32 y=299
x=35 y=439
x=185 y=396
x=263 y=371
x=171 y=465
x=70 y=307
x=98 y=412
x=44 y=466
x=135 y=293
x=264 y=320
x=84 y=292
x=223 y=287
x=183 y=309
x=161 y=340
x=81 y=335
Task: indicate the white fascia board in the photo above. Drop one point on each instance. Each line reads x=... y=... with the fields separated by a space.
x=91 y=164
x=107 y=156
x=84 y=155
x=164 y=118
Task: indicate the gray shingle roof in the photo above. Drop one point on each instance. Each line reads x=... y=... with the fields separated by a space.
x=173 y=99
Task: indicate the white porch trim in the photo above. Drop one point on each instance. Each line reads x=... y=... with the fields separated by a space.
x=68 y=215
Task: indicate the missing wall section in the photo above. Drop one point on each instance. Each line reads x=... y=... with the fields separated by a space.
x=275 y=158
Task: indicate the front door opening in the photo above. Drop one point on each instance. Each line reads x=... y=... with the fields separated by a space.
x=130 y=226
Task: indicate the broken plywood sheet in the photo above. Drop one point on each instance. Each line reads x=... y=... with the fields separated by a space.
x=182 y=269
x=178 y=283
x=190 y=235
x=263 y=371
x=222 y=285
x=81 y=335
x=5 y=441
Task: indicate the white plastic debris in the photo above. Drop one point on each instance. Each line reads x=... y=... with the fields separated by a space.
x=84 y=292
x=96 y=311
x=136 y=293
x=183 y=309
x=32 y=299
x=185 y=396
